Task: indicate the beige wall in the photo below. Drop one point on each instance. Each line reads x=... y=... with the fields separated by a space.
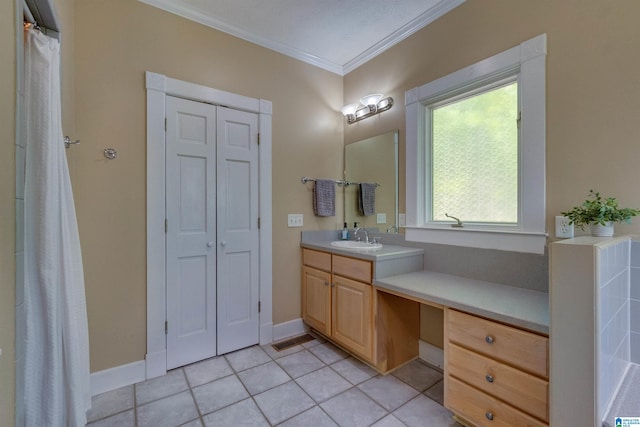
x=7 y=211
x=66 y=12
x=116 y=41
x=592 y=88
x=591 y=100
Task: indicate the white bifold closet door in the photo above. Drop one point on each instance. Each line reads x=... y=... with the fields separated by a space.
x=212 y=231
x=238 y=233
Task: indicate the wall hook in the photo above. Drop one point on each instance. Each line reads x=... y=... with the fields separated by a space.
x=110 y=153
x=67 y=142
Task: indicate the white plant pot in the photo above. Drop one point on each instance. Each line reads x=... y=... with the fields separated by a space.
x=599 y=230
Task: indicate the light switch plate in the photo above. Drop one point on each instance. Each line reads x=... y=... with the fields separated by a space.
x=402 y=219
x=381 y=218
x=564 y=230
x=295 y=220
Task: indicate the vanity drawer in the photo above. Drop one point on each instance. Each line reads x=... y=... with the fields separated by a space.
x=484 y=410
x=525 y=350
x=518 y=388
x=316 y=259
x=353 y=268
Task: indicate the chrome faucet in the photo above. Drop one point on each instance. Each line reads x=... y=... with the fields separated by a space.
x=366 y=234
x=392 y=227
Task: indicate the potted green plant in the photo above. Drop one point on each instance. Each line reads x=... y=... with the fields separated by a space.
x=600 y=214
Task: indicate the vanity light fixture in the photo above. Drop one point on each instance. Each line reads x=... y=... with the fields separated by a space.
x=369 y=106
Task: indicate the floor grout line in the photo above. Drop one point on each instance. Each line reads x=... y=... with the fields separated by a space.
x=273 y=358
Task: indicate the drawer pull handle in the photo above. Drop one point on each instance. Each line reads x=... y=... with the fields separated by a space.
x=489 y=416
x=489 y=378
x=489 y=339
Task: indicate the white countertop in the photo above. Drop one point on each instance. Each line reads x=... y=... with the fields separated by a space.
x=516 y=306
x=385 y=253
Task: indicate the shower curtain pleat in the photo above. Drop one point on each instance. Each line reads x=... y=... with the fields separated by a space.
x=56 y=365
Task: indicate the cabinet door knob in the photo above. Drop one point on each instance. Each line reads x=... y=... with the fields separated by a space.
x=489 y=416
x=489 y=339
x=489 y=378
x=333 y=285
x=326 y=283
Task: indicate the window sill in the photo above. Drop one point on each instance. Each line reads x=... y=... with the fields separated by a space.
x=517 y=241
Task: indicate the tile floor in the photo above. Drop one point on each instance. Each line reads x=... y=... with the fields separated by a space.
x=313 y=384
x=627 y=402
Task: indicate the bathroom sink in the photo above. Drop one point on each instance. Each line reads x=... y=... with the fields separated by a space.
x=352 y=244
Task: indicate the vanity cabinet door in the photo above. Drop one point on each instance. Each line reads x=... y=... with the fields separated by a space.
x=316 y=299
x=352 y=315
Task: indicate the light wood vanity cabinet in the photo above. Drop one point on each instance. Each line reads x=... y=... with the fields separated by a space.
x=316 y=297
x=495 y=374
x=352 y=315
x=337 y=299
x=340 y=301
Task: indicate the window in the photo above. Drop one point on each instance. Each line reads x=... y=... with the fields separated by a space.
x=475 y=150
x=474 y=160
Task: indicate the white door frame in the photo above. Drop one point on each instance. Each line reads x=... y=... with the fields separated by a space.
x=158 y=87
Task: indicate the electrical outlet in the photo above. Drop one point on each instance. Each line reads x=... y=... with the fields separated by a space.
x=564 y=230
x=294 y=220
x=381 y=218
x=402 y=219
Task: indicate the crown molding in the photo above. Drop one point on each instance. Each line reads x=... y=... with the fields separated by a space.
x=397 y=36
x=202 y=18
x=402 y=33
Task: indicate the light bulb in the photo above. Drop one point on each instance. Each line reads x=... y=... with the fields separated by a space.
x=371 y=100
x=349 y=109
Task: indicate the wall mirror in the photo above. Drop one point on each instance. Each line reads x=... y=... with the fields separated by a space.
x=373 y=160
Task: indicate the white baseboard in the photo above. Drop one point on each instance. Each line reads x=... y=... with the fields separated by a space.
x=431 y=354
x=289 y=329
x=266 y=333
x=156 y=364
x=119 y=376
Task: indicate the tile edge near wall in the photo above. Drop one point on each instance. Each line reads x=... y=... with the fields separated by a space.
x=427 y=352
x=118 y=376
x=134 y=372
x=289 y=329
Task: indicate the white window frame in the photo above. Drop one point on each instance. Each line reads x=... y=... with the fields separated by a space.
x=528 y=62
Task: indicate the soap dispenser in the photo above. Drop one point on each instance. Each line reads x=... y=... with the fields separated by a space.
x=345 y=232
